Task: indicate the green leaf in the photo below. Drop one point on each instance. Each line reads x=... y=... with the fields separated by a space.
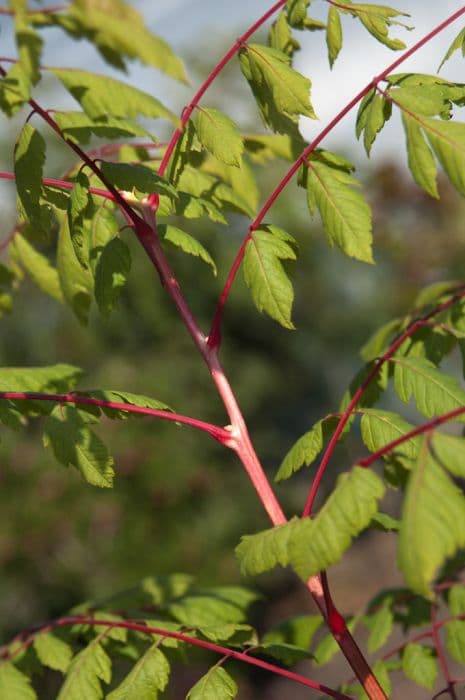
x=377 y=19
x=455 y=640
x=216 y=684
x=378 y=342
x=433 y=504
x=456 y=599
x=79 y=127
x=125 y=397
x=384 y=522
x=76 y=282
x=265 y=550
x=433 y=391
x=219 y=135
x=378 y=111
x=79 y=209
x=316 y=544
x=53 y=651
x=307 y=447
x=282 y=94
x=264 y=273
x=186 y=243
x=420 y=158
x=328 y=646
x=333 y=34
x=297 y=12
x=131 y=177
x=457 y=44
x=265 y=147
x=29 y=45
x=100 y=96
x=379 y=428
x=242 y=184
x=29 y=164
x=280 y=36
x=345 y=214
x=111 y=274
x=447 y=139
x=288 y=654
x=37 y=265
x=380 y=625
x=109 y=31
x=72 y=442
x=14 y=685
x=449 y=451
x=146 y=678
x=298 y=631
x=60 y=378
x=214 y=606
x=419 y=664
x=88 y=668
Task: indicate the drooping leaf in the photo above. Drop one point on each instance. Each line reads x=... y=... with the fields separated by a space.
x=345 y=214
x=79 y=210
x=29 y=163
x=243 y=195
x=216 y=684
x=220 y=135
x=100 y=96
x=455 y=639
x=186 y=243
x=316 y=544
x=433 y=504
x=419 y=664
x=76 y=281
x=264 y=274
x=14 y=684
x=380 y=625
x=280 y=36
x=288 y=654
x=29 y=45
x=297 y=12
x=109 y=32
x=378 y=111
x=298 y=631
x=37 y=265
x=111 y=274
x=88 y=668
x=447 y=139
x=377 y=19
x=212 y=606
x=265 y=550
x=420 y=158
x=59 y=378
x=282 y=94
x=434 y=391
x=457 y=44
x=449 y=451
x=377 y=343
x=333 y=34
x=53 y=651
x=306 y=449
x=73 y=442
x=149 y=675
x=79 y=127
x=131 y=177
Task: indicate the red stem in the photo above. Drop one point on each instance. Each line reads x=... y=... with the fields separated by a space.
x=446 y=417
x=206 y=84
x=215 y=431
x=64 y=185
x=441 y=657
x=215 y=329
x=148 y=629
x=361 y=390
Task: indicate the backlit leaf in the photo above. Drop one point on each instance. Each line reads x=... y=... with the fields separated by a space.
x=29 y=164
x=216 y=684
x=433 y=504
x=219 y=134
x=88 y=668
x=100 y=96
x=264 y=273
x=186 y=243
x=333 y=34
x=146 y=678
x=73 y=442
x=111 y=274
x=455 y=639
x=76 y=281
x=53 y=651
x=380 y=625
x=15 y=685
x=419 y=664
x=265 y=550
x=79 y=127
x=345 y=214
x=379 y=428
x=378 y=19
x=420 y=158
x=317 y=543
x=39 y=268
x=457 y=44
x=302 y=452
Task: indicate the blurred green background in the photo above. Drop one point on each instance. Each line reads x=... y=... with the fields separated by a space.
x=180 y=501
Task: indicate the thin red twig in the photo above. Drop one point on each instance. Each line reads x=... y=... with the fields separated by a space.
x=64 y=185
x=194 y=641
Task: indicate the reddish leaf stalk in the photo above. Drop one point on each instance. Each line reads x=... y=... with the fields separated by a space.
x=206 y=84
x=187 y=639
x=64 y=185
x=441 y=656
x=425 y=428
x=220 y=434
x=215 y=328
x=361 y=390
